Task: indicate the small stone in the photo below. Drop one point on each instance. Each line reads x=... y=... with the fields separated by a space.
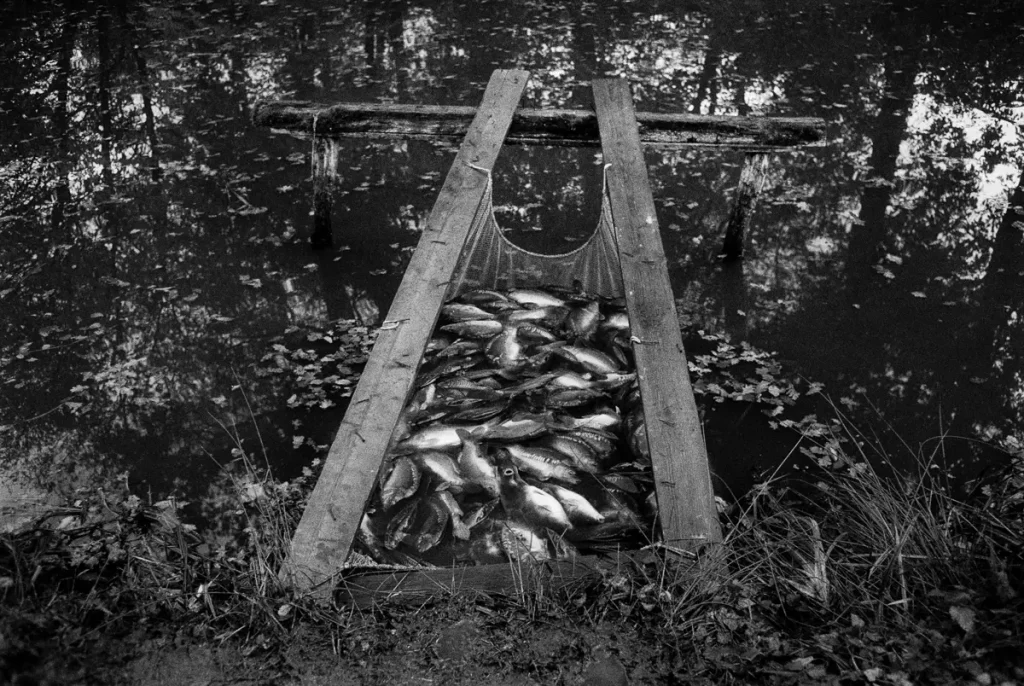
x=605 y=670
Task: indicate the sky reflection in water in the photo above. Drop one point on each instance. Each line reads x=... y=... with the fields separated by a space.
x=156 y=243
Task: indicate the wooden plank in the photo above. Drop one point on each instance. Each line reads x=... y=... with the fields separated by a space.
x=537 y=127
x=414 y=586
x=328 y=526
x=686 y=502
x=365 y=588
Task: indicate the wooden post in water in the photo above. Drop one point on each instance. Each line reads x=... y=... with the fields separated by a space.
x=325 y=181
x=682 y=477
x=329 y=523
x=755 y=167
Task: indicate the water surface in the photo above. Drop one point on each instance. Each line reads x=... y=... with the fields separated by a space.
x=156 y=243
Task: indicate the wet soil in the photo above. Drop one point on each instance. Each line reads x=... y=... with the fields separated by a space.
x=454 y=642
x=472 y=644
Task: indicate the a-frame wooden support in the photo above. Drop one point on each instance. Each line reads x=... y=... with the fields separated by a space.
x=682 y=479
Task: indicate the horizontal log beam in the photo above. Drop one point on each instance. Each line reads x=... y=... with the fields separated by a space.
x=367 y=588
x=537 y=127
x=370 y=588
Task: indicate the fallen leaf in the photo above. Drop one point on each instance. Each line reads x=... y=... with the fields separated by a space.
x=799 y=664
x=963 y=616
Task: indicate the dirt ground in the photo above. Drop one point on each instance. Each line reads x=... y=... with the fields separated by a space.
x=460 y=640
x=454 y=642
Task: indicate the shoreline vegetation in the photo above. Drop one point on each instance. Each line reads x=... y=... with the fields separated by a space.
x=836 y=575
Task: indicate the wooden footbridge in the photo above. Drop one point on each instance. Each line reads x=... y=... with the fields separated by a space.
x=687 y=512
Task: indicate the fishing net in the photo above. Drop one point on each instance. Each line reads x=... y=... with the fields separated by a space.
x=524 y=438
x=489 y=260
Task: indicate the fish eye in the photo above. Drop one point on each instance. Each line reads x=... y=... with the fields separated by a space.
x=508 y=471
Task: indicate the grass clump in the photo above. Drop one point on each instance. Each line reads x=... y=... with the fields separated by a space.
x=856 y=572
x=111 y=565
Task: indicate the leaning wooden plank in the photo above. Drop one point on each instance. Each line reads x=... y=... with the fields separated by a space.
x=685 y=498
x=537 y=127
x=329 y=523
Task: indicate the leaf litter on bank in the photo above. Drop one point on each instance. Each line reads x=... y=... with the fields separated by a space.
x=897 y=555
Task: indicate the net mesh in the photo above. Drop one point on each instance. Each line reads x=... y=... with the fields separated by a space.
x=489 y=260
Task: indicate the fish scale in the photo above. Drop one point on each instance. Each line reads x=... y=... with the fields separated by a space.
x=480 y=412
x=484 y=297
x=475 y=466
x=501 y=365
x=583 y=320
x=542 y=464
x=573 y=397
x=522 y=544
x=600 y=442
x=432 y=527
x=401 y=483
x=589 y=358
x=474 y=328
x=575 y=448
x=448 y=368
x=460 y=312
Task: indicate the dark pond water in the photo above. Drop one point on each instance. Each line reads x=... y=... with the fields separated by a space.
x=155 y=243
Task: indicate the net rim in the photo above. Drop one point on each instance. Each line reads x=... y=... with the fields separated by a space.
x=595 y=234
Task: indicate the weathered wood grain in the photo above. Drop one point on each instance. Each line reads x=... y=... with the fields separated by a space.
x=511 y=579
x=682 y=477
x=537 y=127
x=365 y=588
x=755 y=167
x=328 y=526
x=325 y=167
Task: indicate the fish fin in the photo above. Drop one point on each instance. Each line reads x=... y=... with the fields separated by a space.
x=459 y=529
x=554 y=347
x=403 y=449
x=568 y=476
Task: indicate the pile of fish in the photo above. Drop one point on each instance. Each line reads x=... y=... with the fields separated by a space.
x=524 y=438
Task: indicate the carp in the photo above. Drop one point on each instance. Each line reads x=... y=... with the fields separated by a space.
x=530 y=504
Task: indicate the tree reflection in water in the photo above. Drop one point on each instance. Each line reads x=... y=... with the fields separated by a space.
x=156 y=244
